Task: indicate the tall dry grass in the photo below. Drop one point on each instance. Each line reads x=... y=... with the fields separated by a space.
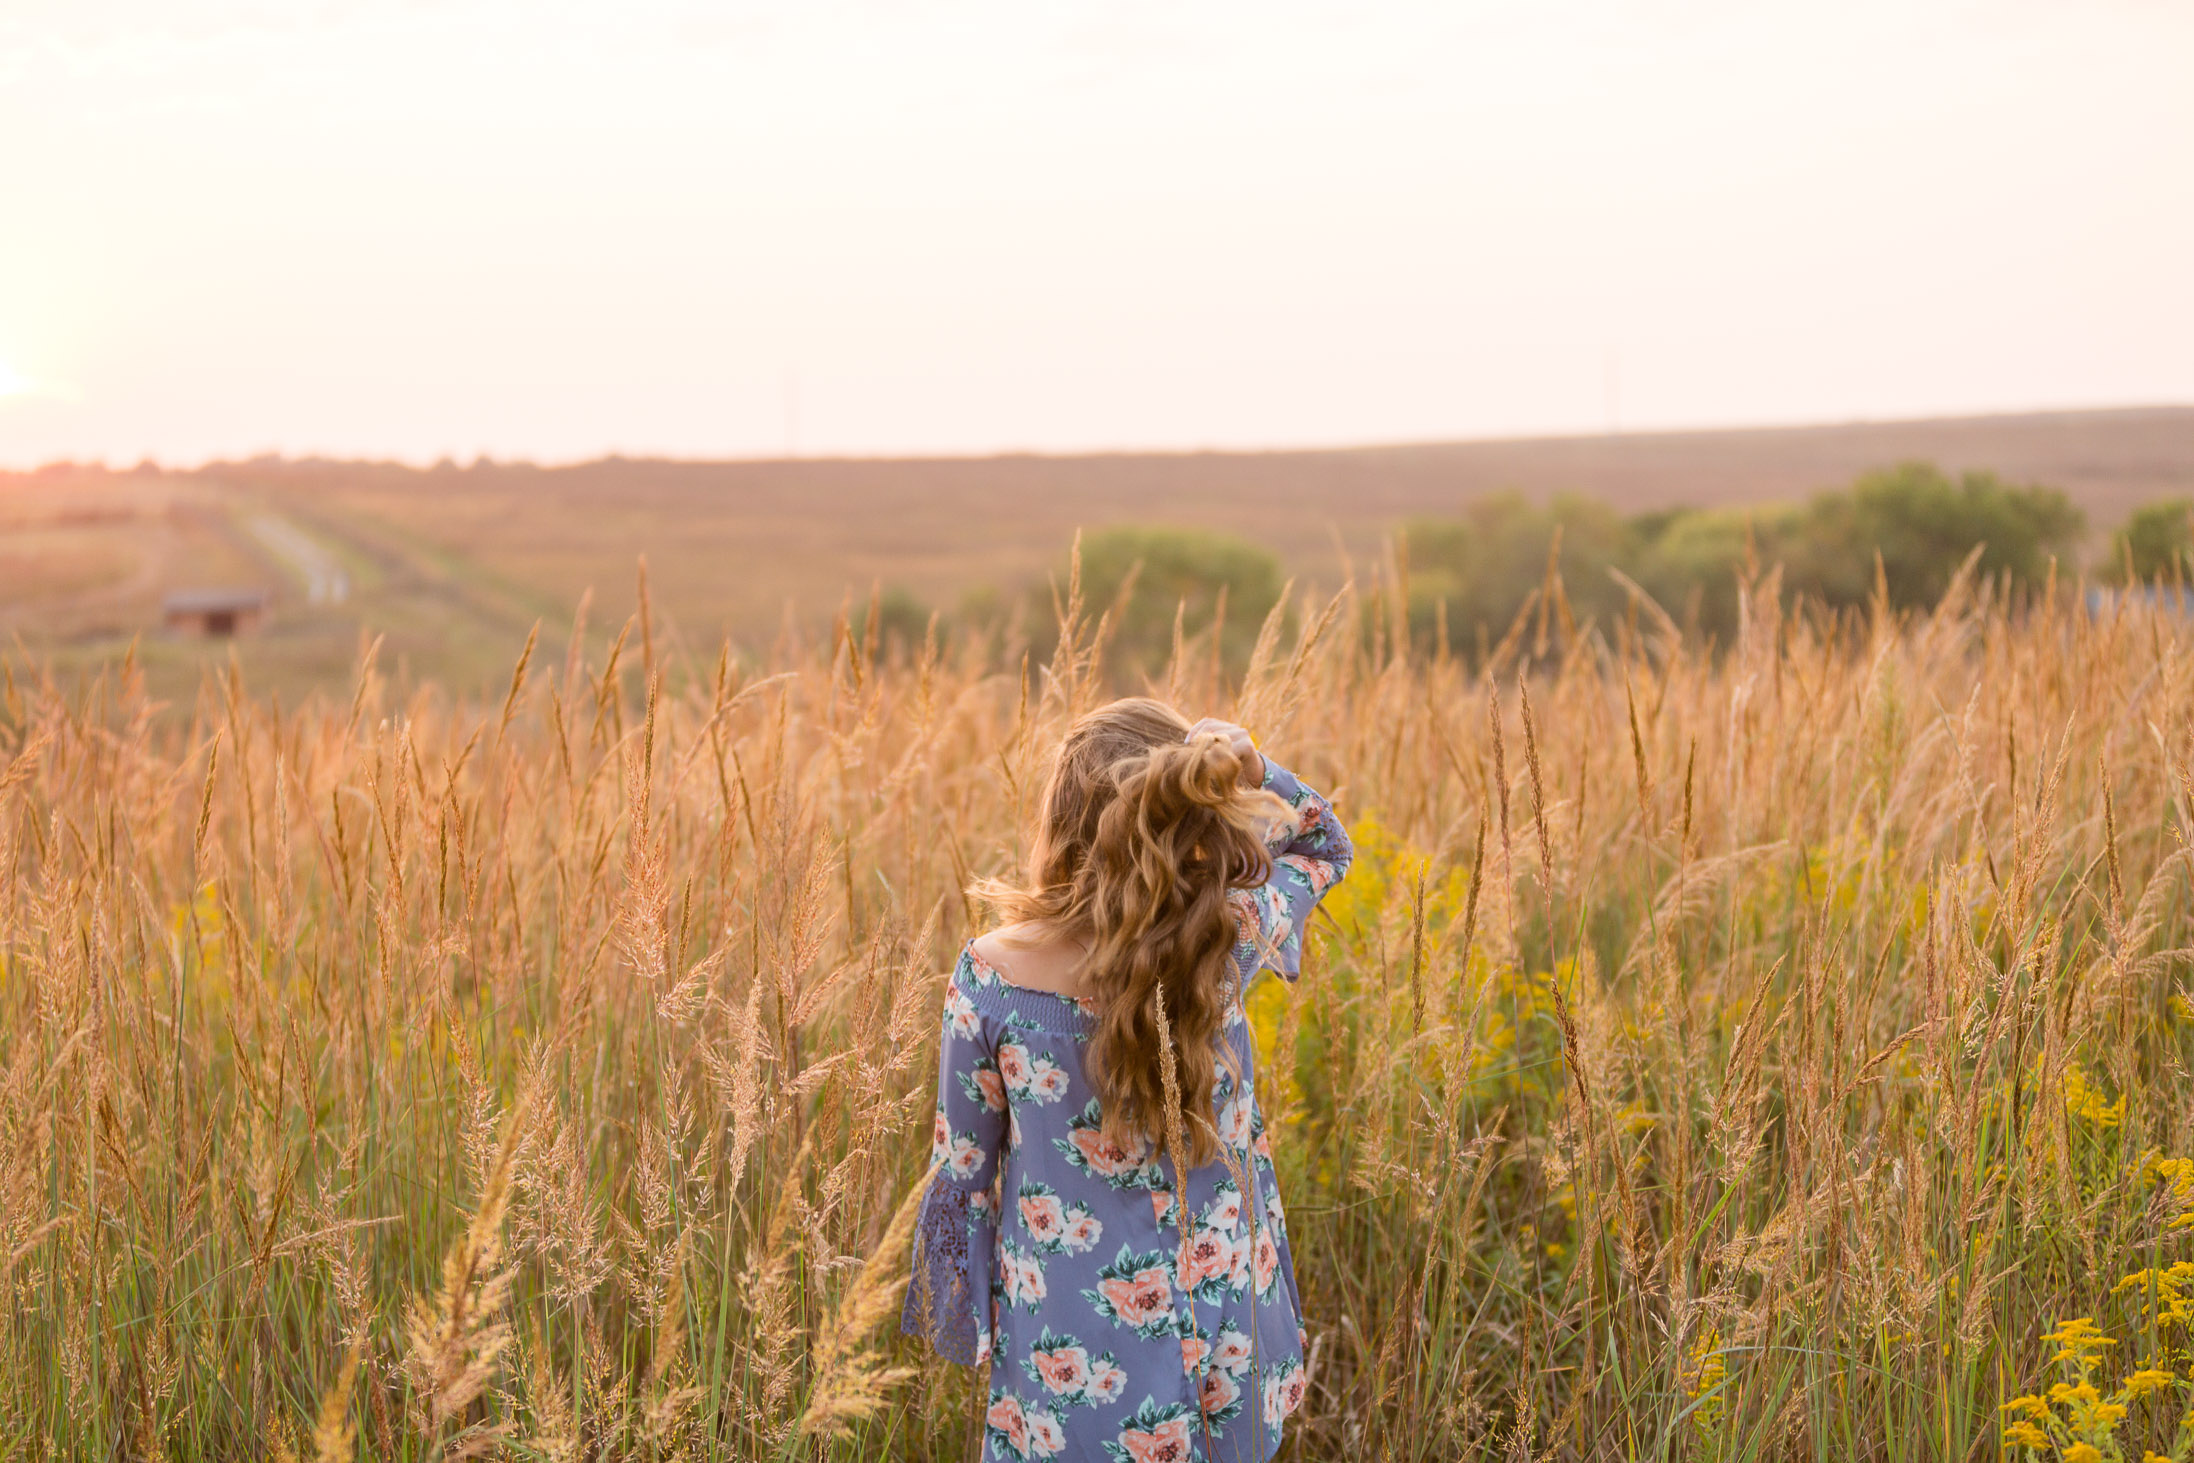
x=1733 y=1055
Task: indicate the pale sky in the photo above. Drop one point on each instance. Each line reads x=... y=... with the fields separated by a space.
x=544 y=229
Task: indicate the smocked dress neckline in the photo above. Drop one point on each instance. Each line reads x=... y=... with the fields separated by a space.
x=994 y=995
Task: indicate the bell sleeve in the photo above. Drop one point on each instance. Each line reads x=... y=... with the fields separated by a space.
x=1309 y=856
x=955 y=1238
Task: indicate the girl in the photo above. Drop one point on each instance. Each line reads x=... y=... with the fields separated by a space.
x=1102 y=1224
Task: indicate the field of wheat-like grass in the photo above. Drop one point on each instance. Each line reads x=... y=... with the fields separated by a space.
x=1776 y=1050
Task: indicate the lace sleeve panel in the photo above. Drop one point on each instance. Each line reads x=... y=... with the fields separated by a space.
x=941 y=1299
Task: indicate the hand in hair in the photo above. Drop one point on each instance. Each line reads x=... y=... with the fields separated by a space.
x=1253 y=762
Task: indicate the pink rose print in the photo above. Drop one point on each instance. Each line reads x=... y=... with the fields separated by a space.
x=1083 y=1231
x=1245 y=919
x=1234 y=1123
x=967 y=1156
x=1023 y=1277
x=1105 y=1158
x=1046 y=1439
x=1205 y=1255
x=1043 y=1215
x=960 y=1012
x=1168 y=1442
x=1232 y=1352
x=1005 y=1420
x=1063 y=1369
x=1318 y=873
x=1106 y=1381
x=1284 y=1393
x=1138 y=1299
x=1238 y=1262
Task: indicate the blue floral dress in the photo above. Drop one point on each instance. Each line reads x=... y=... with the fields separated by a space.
x=1058 y=1256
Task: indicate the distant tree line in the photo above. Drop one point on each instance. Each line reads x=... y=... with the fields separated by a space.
x=1469 y=577
x=1912 y=526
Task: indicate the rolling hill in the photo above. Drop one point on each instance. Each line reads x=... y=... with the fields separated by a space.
x=451 y=564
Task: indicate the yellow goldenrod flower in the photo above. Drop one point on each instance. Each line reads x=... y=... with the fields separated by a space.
x=1702 y=1368
x=2176 y=1175
x=2083 y=1453
x=2024 y=1435
x=2147 y=1380
x=2165 y=1293
x=2080 y=1344
x=2084 y=1100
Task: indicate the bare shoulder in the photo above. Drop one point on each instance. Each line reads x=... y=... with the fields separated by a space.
x=1033 y=956
x=1019 y=936
x=997 y=947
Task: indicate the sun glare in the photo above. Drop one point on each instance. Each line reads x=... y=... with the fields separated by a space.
x=10 y=383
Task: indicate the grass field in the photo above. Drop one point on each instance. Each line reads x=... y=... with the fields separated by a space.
x=1776 y=1056
x=453 y=565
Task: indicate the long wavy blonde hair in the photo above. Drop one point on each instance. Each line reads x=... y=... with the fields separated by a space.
x=1142 y=833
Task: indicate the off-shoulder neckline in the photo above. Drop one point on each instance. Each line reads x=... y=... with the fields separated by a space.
x=1043 y=1010
x=967 y=950
x=1075 y=1015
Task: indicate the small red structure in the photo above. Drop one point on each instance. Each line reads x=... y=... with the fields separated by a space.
x=214 y=613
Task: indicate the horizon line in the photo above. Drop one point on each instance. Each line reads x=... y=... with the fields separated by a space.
x=446 y=461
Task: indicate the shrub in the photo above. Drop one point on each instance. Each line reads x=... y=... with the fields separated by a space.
x=1691 y=557
x=2154 y=542
x=1923 y=524
x=1484 y=564
x=898 y=619
x=1166 y=570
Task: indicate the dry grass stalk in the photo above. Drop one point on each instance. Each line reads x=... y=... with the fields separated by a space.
x=647 y=963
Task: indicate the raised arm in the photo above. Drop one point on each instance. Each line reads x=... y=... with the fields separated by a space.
x=1308 y=858
x=948 y=1297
